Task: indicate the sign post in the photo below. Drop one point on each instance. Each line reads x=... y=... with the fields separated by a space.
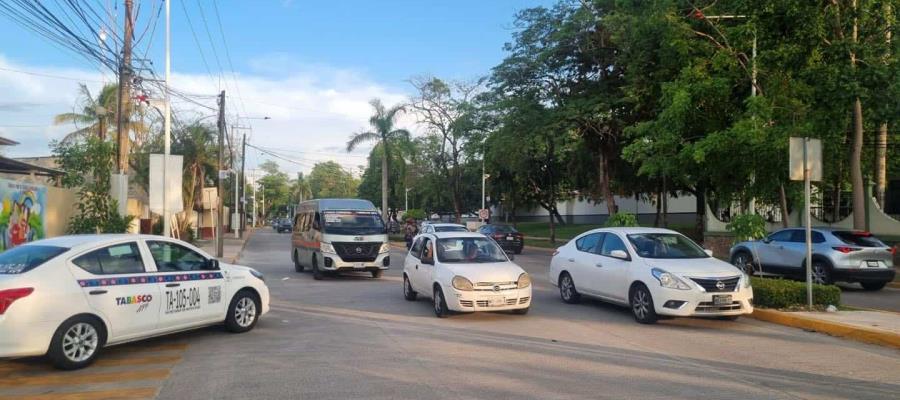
x=806 y=165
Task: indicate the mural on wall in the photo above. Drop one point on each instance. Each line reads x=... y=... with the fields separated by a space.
x=22 y=217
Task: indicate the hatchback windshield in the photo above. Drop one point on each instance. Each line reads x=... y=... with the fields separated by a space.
x=665 y=245
x=353 y=222
x=25 y=258
x=469 y=250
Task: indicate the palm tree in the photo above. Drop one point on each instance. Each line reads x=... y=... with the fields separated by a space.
x=96 y=116
x=384 y=134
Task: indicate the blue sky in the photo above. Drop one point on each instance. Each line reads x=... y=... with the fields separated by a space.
x=319 y=61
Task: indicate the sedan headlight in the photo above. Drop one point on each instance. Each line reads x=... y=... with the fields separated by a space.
x=524 y=281
x=327 y=248
x=257 y=274
x=385 y=248
x=745 y=281
x=668 y=280
x=460 y=283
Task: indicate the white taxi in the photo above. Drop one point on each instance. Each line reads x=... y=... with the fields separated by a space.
x=464 y=272
x=70 y=296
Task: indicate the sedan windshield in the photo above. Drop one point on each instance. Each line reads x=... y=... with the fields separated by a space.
x=25 y=258
x=665 y=245
x=353 y=223
x=469 y=250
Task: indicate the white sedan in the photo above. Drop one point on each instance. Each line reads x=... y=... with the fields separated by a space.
x=655 y=272
x=464 y=272
x=70 y=296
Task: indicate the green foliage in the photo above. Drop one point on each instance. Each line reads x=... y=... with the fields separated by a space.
x=783 y=293
x=747 y=227
x=621 y=219
x=87 y=165
x=415 y=213
x=329 y=180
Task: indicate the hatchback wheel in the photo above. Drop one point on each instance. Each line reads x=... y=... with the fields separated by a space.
x=408 y=292
x=243 y=312
x=76 y=343
x=567 y=289
x=821 y=273
x=440 y=305
x=642 y=305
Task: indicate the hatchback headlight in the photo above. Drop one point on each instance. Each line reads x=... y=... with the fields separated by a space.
x=524 y=281
x=668 y=280
x=460 y=283
x=327 y=248
x=385 y=247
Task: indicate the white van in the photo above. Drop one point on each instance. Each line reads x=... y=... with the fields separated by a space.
x=339 y=235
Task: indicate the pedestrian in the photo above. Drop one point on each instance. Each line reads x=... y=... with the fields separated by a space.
x=410 y=231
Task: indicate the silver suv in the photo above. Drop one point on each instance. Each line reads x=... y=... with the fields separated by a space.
x=837 y=255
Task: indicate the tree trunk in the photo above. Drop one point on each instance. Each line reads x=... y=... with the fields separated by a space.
x=552 y=226
x=384 y=183
x=604 y=185
x=700 y=204
x=856 y=178
x=783 y=203
x=665 y=203
x=658 y=207
x=881 y=165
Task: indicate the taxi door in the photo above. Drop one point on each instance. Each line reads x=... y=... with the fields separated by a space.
x=191 y=293
x=116 y=284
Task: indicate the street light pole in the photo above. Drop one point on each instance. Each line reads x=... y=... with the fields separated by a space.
x=220 y=226
x=167 y=128
x=406 y=201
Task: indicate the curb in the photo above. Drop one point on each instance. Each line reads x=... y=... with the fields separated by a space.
x=837 y=329
x=895 y=285
x=247 y=235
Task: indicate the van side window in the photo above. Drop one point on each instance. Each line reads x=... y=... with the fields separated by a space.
x=317 y=222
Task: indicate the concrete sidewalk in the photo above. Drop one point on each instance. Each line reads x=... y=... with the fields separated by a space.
x=875 y=327
x=231 y=248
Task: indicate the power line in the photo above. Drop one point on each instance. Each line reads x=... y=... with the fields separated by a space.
x=197 y=42
x=228 y=56
x=68 y=78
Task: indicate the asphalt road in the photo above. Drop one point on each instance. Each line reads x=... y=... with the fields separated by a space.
x=357 y=338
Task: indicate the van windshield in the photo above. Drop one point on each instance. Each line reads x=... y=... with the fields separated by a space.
x=352 y=223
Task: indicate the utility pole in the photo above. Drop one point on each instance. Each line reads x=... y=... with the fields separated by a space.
x=243 y=218
x=220 y=226
x=123 y=114
x=167 y=126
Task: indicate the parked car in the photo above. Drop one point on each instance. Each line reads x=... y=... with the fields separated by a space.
x=506 y=236
x=464 y=272
x=69 y=297
x=284 y=225
x=837 y=255
x=442 y=227
x=655 y=272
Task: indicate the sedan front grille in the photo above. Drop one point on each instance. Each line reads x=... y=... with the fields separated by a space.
x=709 y=307
x=357 y=252
x=718 y=284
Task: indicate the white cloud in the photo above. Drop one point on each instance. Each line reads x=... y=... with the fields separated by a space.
x=313 y=108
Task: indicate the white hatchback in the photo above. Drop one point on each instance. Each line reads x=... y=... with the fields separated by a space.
x=464 y=272
x=655 y=272
x=70 y=296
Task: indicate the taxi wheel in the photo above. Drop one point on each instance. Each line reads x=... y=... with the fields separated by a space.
x=317 y=273
x=297 y=266
x=243 y=312
x=377 y=273
x=76 y=343
x=440 y=305
x=408 y=293
x=642 y=305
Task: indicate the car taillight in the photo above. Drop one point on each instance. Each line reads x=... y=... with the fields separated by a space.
x=862 y=233
x=499 y=236
x=845 y=249
x=893 y=250
x=7 y=297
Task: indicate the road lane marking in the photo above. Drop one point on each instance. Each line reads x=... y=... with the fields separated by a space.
x=117 y=394
x=73 y=379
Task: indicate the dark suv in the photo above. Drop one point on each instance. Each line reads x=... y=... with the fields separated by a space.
x=283 y=225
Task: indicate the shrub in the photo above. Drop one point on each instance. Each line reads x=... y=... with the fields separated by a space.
x=783 y=293
x=414 y=213
x=747 y=227
x=621 y=219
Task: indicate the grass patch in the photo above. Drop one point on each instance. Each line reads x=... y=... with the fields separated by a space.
x=566 y=232
x=544 y=243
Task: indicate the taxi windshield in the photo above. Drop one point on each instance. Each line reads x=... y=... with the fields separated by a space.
x=25 y=258
x=352 y=223
x=469 y=250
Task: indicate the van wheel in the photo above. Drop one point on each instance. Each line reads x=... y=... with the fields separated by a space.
x=317 y=273
x=297 y=266
x=377 y=273
x=76 y=343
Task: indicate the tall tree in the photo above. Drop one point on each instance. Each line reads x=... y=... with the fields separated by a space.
x=329 y=180
x=97 y=115
x=382 y=132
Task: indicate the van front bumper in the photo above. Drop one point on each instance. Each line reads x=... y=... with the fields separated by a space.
x=333 y=262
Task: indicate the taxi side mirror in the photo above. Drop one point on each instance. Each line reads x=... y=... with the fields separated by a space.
x=212 y=264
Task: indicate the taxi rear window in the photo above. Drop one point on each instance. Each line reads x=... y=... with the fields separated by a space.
x=22 y=259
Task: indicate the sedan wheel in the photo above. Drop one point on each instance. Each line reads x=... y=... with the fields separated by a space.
x=567 y=289
x=75 y=344
x=642 y=305
x=243 y=313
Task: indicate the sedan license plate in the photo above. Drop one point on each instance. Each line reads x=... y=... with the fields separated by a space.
x=872 y=264
x=510 y=238
x=359 y=265
x=497 y=301
x=721 y=299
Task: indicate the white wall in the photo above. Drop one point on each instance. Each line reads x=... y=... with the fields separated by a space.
x=683 y=204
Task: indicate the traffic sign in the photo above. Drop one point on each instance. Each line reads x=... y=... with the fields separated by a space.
x=484 y=213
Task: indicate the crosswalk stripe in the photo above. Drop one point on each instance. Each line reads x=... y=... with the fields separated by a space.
x=70 y=379
x=117 y=394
